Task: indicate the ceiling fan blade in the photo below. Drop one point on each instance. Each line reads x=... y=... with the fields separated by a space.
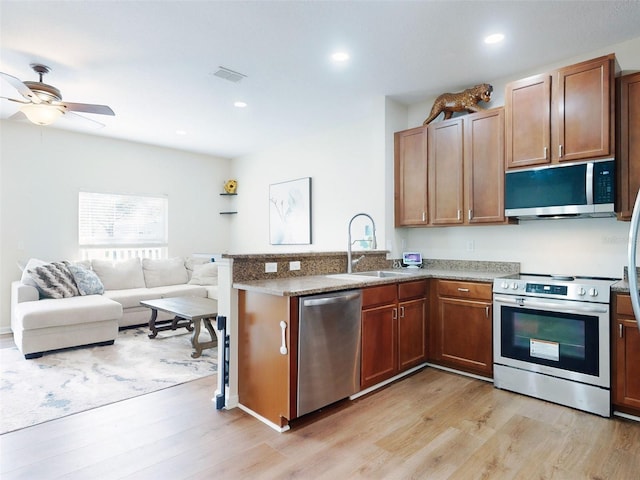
x=87 y=108
x=16 y=100
x=74 y=116
x=22 y=89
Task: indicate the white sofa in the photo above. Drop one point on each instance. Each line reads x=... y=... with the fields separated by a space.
x=94 y=299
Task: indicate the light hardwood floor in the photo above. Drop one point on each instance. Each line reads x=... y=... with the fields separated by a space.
x=431 y=425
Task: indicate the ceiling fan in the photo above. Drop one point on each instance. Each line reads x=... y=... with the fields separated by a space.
x=43 y=103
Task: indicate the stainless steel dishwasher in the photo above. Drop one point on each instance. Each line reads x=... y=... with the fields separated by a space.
x=328 y=348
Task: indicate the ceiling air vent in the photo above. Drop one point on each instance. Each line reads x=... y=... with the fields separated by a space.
x=230 y=75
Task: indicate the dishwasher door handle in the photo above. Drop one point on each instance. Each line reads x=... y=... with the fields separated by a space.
x=315 y=302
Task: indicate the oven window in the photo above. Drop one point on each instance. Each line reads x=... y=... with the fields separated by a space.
x=561 y=340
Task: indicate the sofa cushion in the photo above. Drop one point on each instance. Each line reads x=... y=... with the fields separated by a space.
x=119 y=275
x=54 y=280
x=180 y=291
x=87 y=280
x=131 y=297
x=191 y=262
x=66 y=311
x=205 y=274
x=160 y=272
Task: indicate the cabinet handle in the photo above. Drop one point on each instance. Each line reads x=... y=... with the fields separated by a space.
x=620 y=330
x=283 y=347
x=401 y=312
x=466 y=290
x=424 y=217
x=559 y=151
x=546 y=153
x=486 y=311
x=470 y=212
x=459 y=214
x=394 y=314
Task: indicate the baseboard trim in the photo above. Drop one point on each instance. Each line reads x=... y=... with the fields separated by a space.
x=6 y=331
x=269 y=423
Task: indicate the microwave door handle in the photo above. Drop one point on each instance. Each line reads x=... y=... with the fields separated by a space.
x=589 y=183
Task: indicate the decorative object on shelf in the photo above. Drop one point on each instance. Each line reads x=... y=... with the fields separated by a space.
x=290 y=212
x=230 y=186
x=458 y=102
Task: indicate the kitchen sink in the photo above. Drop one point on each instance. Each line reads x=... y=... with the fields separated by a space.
x=371 y=274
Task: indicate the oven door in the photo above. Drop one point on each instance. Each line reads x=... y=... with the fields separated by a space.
x=561 y=338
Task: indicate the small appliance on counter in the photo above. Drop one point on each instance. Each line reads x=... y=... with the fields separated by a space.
x=412 y=259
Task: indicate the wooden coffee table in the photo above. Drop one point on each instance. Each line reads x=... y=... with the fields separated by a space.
x=189 y=313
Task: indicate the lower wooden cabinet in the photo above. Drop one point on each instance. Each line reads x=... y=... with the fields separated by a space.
x=267 y=379
x=625 y=381
x=393 y=330
x=461 y=326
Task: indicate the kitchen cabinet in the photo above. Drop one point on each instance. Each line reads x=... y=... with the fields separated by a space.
x=267 y=377
x=461 y=326
x=628 y=142
x=410 y=177
x=466 y=169
x=562 y=116
x=625 y=383
x=393 y=330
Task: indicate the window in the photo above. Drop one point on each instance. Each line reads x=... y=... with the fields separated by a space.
x=122 y=226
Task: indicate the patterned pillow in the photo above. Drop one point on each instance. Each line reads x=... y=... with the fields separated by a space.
x=54 y=280
x=87 y=280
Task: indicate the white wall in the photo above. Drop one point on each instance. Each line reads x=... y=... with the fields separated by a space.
x=43 y=169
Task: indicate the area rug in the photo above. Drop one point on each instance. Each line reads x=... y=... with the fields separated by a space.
x=71 y=381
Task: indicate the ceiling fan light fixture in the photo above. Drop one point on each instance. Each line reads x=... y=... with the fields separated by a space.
x=41 y=114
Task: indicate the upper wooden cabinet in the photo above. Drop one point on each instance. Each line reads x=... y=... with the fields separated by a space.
x=411 y=177
x=563 y=116
x=628 y=142
x=466 y=169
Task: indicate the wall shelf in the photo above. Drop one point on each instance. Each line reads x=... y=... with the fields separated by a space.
x=228 y=212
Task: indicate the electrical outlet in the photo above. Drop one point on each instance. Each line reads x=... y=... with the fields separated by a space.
x=471 y=245
x=271 y=267
x=294 y=266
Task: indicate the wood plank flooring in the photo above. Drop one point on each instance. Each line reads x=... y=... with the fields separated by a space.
x=432 y=425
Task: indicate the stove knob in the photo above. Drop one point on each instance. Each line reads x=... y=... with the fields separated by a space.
x=582 y=292
x=514 y=285
x=505 y=285
x=593 y=292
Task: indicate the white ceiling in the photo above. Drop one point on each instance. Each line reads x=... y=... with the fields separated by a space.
x=153 y=61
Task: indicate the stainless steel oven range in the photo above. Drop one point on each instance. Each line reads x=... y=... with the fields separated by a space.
x=551 y=339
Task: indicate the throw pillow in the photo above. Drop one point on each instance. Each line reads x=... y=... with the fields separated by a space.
x=191 y=262
x=87 y=281
x=26 y=276
x=119 y=275
x=206 y=274
x=161 y=272
x=54 y=280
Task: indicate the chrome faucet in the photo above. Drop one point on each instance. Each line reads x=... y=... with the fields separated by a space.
x=373 y=242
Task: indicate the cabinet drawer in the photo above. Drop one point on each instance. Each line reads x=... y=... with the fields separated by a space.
x=449 y=288
x=382 y=295
x=410 y=290
x=623 y=305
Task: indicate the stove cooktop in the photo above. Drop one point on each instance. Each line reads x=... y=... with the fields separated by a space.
x=586 y=289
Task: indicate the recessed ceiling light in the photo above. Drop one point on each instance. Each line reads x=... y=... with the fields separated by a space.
x=494 y=38
x=240 y=104
x=181 y=132
x=340 y=56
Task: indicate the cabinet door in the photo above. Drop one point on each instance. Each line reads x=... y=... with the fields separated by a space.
x=528 y=121
x=264 y=375
x=412 y=336
x=445 y=172
x=465 y=335
x=379 y=344
x=628 y=148
x=626 y=389
x=411 y=177
x=484 y=166
x=582 y=111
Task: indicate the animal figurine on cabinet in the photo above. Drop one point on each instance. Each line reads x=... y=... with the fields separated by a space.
x=230 y=186
x=458 y=102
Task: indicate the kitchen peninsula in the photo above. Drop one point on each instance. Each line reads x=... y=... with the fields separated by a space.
x=401 y=327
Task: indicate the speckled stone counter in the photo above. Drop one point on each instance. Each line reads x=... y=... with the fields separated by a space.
x=442 y=269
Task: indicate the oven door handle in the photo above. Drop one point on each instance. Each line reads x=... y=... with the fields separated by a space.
x=561 y=307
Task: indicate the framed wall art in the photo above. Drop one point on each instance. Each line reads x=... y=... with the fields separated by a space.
x=290 y=212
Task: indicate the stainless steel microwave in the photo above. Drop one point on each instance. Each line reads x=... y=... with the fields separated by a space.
x=585 y=189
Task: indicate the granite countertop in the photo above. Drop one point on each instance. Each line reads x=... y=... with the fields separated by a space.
x=313 y=284
x=621 y=286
